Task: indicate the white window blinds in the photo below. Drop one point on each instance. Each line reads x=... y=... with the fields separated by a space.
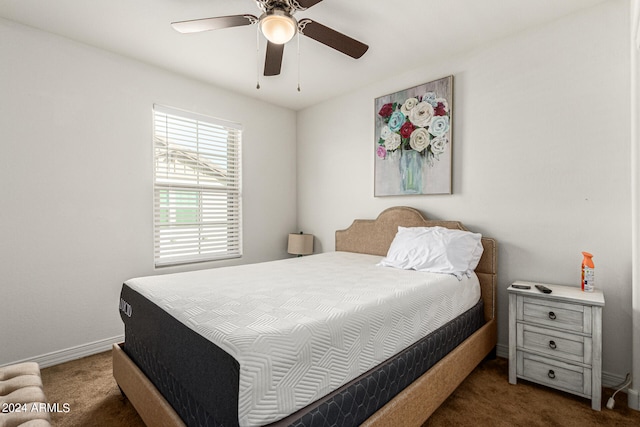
x=197 y=197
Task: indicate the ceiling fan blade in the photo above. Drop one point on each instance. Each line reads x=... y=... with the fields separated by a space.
x=217 y=23
x=273 y=60
x=332 y=38
x=304 y=4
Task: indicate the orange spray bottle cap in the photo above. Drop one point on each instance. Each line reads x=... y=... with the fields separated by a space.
x=587 y=261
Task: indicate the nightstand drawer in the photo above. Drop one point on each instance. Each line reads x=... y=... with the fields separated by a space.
x=568 y=346
x=570 y=317
x=562 y=376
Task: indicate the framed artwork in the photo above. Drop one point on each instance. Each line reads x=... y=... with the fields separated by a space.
x=413 y=140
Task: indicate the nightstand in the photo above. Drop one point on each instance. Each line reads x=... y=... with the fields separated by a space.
x=556 y=339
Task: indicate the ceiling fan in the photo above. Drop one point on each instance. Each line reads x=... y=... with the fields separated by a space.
x=279 y=26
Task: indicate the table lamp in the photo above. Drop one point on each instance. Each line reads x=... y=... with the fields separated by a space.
x=300 y=244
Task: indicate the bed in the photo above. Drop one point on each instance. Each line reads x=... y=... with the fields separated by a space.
x=417 y=396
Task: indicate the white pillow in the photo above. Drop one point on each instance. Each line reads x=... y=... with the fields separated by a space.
x=434 y=249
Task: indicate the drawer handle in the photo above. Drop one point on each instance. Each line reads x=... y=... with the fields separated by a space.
x=552 y=315
x=551 y=374
x=552 y=344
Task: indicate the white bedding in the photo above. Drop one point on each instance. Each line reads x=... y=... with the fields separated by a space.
x=302 y=327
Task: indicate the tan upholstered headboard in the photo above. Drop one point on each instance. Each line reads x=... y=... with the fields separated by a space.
x=374 y=237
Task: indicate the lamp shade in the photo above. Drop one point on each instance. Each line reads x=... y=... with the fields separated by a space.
x=300 y=244
x=278 y=27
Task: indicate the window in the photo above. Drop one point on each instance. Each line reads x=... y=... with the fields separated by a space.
x=197 y=197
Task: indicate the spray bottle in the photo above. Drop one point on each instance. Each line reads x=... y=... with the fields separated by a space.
x=588 y=273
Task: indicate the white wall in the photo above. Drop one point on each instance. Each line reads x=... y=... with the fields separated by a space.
x=76 y=185
x=634 y=24
x=541 y=146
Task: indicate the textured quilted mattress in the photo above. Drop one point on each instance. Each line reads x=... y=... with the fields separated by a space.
x=295 y=330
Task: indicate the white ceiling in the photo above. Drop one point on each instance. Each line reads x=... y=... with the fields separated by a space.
x=401 y=34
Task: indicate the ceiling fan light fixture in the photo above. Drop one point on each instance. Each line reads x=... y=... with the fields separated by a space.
x=278 y=26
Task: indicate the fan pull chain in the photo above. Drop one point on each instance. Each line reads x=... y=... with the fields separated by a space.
x=298 y=37
x=258 y=58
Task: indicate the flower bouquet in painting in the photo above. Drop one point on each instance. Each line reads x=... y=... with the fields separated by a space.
x=413 y=132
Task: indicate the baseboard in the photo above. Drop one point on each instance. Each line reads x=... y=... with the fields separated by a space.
x=612 y=380
x=633 y=399
x=608 y=379
x=73 y=353
x=502 y=351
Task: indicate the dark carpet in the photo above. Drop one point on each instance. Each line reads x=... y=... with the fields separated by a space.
x=485 y=398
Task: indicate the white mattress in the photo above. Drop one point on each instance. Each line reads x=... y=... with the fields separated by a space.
x=302 y=327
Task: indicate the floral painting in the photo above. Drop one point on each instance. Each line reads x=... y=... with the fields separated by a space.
x=413 y=140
